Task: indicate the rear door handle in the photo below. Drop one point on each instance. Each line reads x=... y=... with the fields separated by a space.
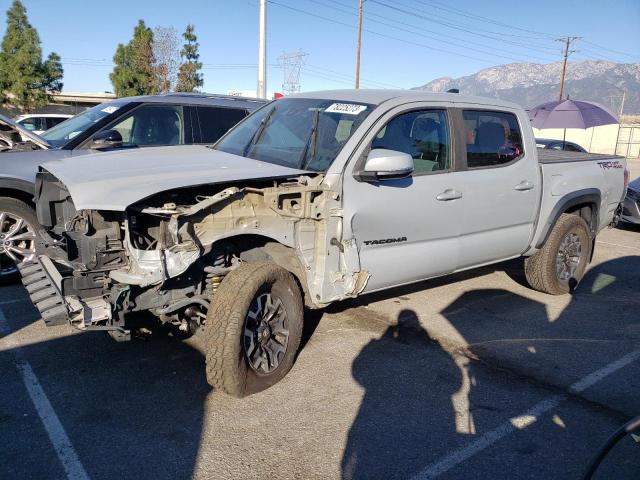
x=449 y=194
x=524 y=185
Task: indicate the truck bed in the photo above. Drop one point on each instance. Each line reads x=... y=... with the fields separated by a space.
x=549 y=155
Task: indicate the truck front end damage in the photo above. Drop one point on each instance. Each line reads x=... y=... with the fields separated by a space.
x=168 y=253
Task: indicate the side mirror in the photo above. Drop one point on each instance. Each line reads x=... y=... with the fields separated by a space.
x=106 y=139
x=383 y=164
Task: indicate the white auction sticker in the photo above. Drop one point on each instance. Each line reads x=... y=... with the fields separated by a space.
x=348 y=108
x=110 y=109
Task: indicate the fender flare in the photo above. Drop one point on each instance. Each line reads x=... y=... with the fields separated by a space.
x=586 y=195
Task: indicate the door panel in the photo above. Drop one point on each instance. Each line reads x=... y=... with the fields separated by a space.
x=403 y=232
x=501 y=189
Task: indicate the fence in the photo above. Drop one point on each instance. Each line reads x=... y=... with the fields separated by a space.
x=628 y=143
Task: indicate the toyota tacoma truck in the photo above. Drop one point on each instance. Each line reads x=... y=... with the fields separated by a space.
x=310 y=200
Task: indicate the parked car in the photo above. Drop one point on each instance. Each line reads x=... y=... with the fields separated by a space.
x=559 y=145
x=14 y=136
x=631 y=205
x=39 y=122
x=127 y=123
x=313 y=199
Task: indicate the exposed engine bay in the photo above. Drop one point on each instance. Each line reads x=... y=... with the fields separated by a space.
x=168 y=253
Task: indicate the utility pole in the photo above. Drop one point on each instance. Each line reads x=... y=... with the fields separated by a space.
x=358 y=47
x=262 y=51
x=624 y=94
x=567 y=43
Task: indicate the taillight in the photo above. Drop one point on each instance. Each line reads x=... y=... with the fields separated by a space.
x=626 y=178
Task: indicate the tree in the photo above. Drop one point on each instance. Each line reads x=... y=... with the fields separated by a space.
x=167 y=57
x=26 y=82
x=189 y=76
x=134 y=71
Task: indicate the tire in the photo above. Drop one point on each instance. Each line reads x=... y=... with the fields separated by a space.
x=236 y=361
x=546 y=271
x=18 y=243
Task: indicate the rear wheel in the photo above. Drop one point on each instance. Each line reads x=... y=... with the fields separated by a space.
x=253 y=329
x=18 y=226
x=560 y=264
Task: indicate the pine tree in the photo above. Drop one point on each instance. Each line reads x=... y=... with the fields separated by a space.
x=134 y=73
x=26 y=82
x=189 y=76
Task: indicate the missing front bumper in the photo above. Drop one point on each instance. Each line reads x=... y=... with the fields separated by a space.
x=43 y=283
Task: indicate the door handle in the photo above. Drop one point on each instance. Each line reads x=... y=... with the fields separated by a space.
x=449 y=194
x=523 y=186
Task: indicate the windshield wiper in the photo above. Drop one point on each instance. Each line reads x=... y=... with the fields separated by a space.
x=258 y=133
x=311 y=141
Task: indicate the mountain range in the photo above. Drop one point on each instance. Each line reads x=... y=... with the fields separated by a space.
x=530 y=84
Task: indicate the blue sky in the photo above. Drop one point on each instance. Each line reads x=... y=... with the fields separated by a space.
x=406 y=43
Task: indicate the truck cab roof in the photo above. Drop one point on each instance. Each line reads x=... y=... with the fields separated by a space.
x=379 y=96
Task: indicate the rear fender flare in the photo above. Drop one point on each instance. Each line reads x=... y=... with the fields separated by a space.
x=591 y=196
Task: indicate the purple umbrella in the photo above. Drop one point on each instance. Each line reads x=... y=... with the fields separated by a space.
x=570 y=114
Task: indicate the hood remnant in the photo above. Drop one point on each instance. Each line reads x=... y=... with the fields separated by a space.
x=115 y=180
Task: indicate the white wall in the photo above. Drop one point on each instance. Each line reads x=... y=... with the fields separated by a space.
x=595 y=140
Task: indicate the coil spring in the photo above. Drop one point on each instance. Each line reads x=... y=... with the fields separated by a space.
x=213 y=278
x=213 y=282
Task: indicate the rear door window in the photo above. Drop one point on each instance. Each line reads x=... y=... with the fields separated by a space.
x=493 y=138
x=216 y=121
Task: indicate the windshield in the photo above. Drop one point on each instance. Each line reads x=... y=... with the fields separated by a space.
x=300 y=133
x=65 y=131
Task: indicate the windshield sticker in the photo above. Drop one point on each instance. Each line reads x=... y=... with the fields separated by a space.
x=347 y=108
x=110 y=109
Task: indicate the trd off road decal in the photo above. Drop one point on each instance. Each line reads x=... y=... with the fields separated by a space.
x=606 y=165
x=385 y=240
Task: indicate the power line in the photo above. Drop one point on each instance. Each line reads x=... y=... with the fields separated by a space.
x=467 y=14
x=352 y=77
x=463 y=29
x=635 y=57
x=430 y=47
x=410 y=28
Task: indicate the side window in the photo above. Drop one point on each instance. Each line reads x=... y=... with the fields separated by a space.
x=216 y=121
x=53 y=121
x=34 y=123
x=423 y=134
x=152 y=125
x=493 y=138
x=571 y=148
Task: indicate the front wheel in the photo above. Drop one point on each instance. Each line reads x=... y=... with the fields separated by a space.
x=18 y=225
x=559 y=265
x=253 y=329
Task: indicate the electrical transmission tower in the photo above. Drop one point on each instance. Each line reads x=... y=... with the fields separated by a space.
x=291 y=64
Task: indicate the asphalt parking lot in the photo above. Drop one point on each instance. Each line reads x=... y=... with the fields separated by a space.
x=472 y=376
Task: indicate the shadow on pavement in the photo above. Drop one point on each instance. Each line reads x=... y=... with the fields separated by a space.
x=415 y=401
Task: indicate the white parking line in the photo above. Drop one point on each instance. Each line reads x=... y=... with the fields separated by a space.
x=521 y=421
x=57 y=435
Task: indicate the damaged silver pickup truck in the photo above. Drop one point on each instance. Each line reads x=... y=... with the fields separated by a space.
x=312 y=199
